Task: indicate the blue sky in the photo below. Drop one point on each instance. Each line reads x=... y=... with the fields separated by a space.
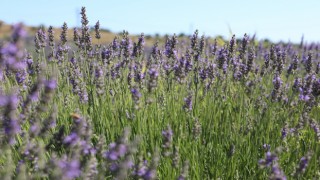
x=274 y=19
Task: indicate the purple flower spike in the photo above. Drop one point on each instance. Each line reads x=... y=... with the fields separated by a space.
x=70 y=169
x=188 y=103
x=51 y=84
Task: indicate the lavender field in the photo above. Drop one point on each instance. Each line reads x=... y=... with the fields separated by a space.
x=193 y=107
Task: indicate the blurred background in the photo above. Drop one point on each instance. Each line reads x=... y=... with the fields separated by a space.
x=273 y=20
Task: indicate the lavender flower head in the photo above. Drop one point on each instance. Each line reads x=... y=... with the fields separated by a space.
x=303 y=164
x=153 y=74
x=18 y=32
x=269 y=159
x=277 y=173
x=76 y=37
x=116 y=151
x=222 y=58
x=308 y=63
x=9 y=125
x=167 y=141
x=63 y=36
x=51 y=36
x=11 y=53
x=188 y=103
x=70 y=169
x=97 y=30
x=136 y=95
x=42 y=37
x=277 y=82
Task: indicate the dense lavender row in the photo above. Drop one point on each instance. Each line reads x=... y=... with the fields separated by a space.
x=187 y=109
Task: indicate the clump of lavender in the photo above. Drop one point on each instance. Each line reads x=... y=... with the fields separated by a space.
x=11 y=54
x=42 y=37
x=266 y=60
x=115 y=45
x=33 y=96
x=80 y=137
x=70 y=169
x=273 y=56
x=64 y=167
x=139 y=73
x=78 y=85
x=249 y=64
x=243 y=47
x=9 y=122
x=153 y=78
x=32 y=152
x=303 y=164
x=136 y=95
x=63 y=48
x=238 y=69
x=167 y=141
x=40 y=40
x=271 y=160
x=306 y=89
x=170 y=47
x=213 y=48
x=277 y=82
x=279 y=63
x=277 y=173
x=222 y=60
x=119 y=155
x=151 y=172
x=182 y=68
x=29 y=62
x=194 y=41
x=155 y=54
x=297 y=83
x=308 y=63
x=188 y=103
x=106 y=55
x=35 y=119
x=138 y=47
x=293 y=66
x=18 y=32
x=140 y=168
x=284 y=131
x=125 y=46
x=22 y=75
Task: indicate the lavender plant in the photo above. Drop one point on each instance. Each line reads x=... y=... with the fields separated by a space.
x=64 y=105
